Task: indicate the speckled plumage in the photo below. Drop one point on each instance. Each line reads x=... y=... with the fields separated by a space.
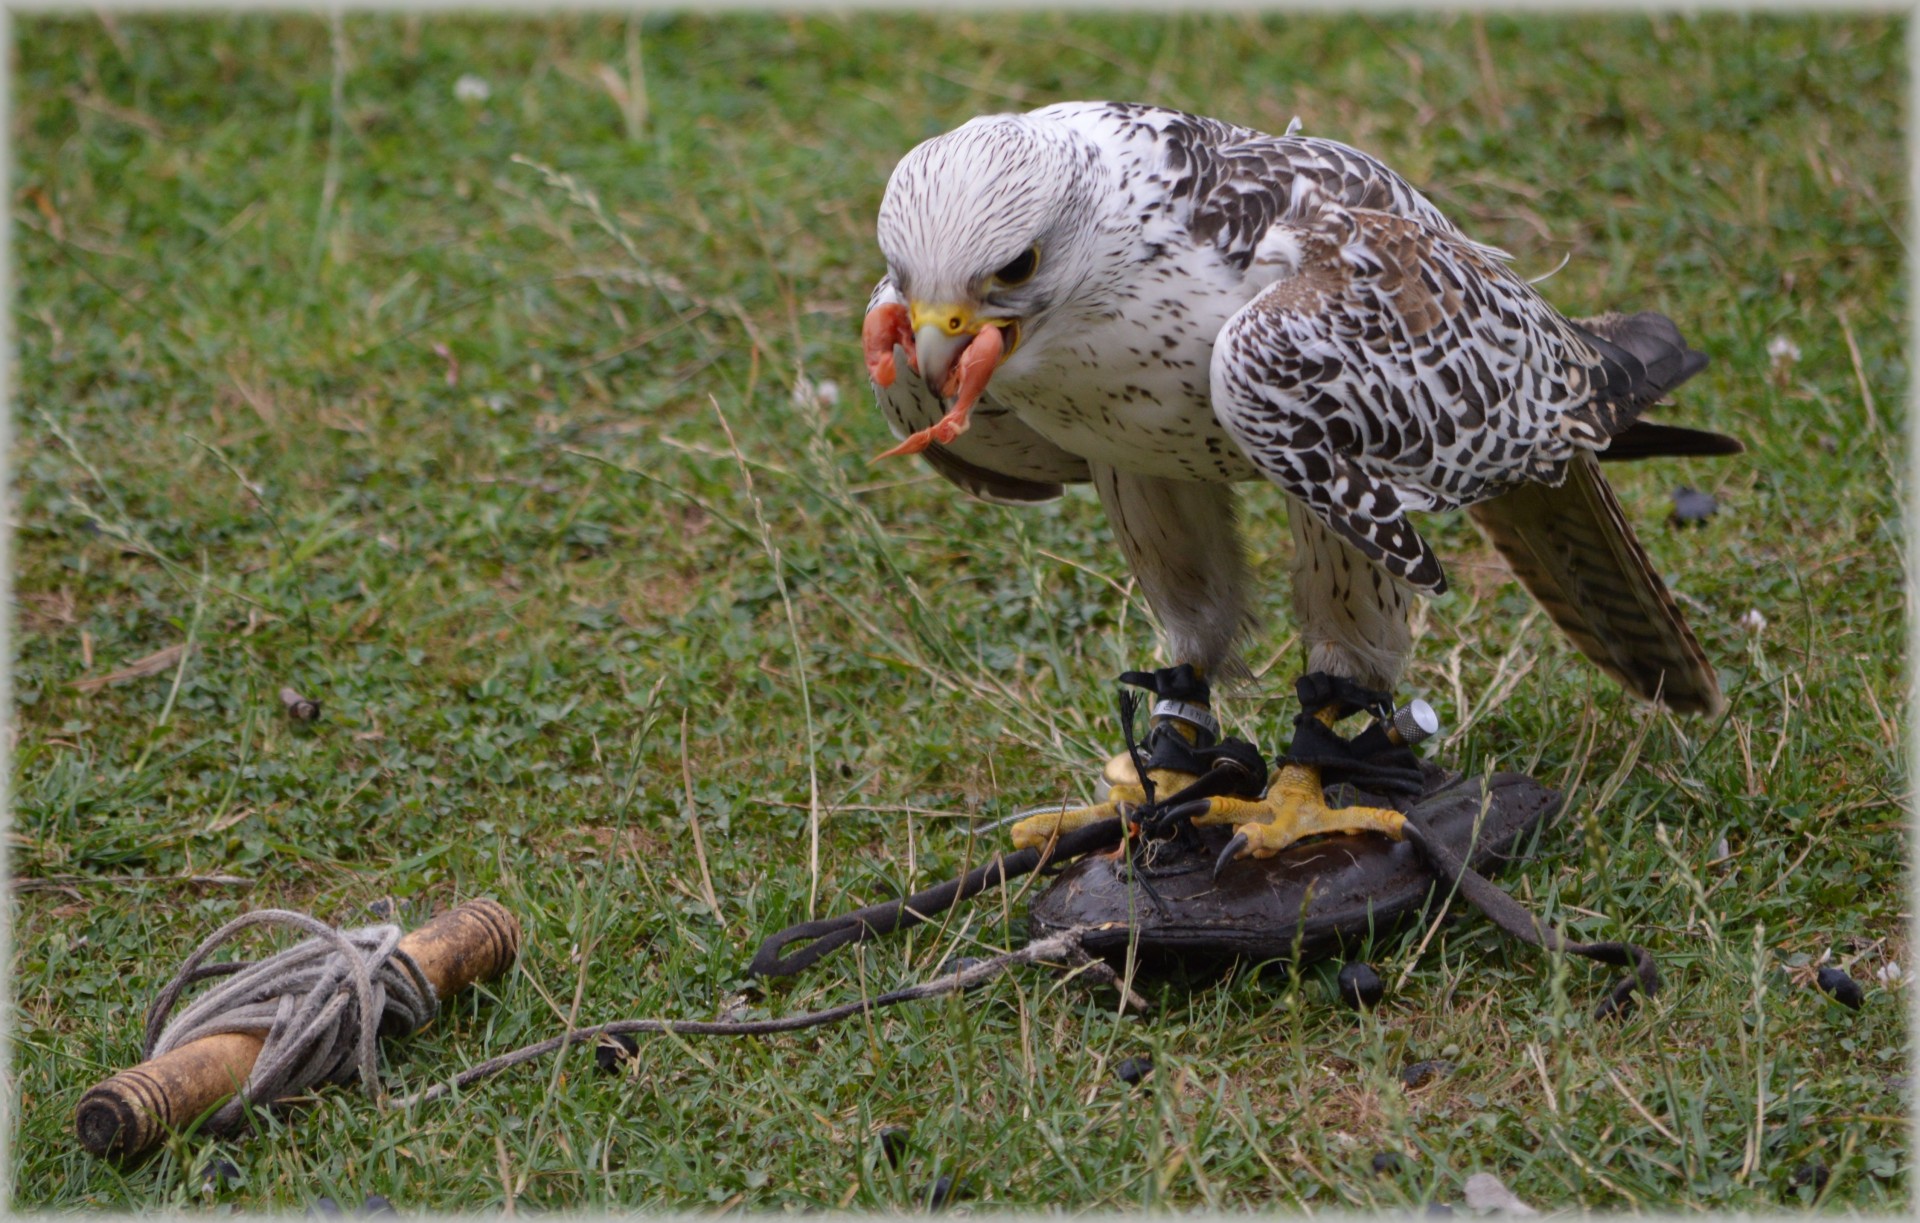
x=1211 y=305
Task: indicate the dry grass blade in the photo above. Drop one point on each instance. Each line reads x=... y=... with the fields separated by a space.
x=1860 y=374
x=693 y=823
x=799 y=659
x=1514 y=666
x=155 y=663
x=1633 y=1101
x=1440 y=914
x=23 y=883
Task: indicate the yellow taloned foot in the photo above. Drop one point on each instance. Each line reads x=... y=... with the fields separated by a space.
x=1295 y=808
x=1124 y=793
x=1036 y=830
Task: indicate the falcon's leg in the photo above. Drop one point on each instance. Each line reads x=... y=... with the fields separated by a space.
x=1352 y=615
x=1353 y=618
x=1182 y=541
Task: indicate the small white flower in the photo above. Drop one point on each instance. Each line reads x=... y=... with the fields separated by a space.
x=808 y=393
x=1889 y=972
x=1782 y=351
x=471 y=88
x=1754 y=622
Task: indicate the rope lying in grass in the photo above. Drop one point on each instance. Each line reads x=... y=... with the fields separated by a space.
x=831 y=933
x=322 y=1004
x=1064 y=946
x=1513 y=918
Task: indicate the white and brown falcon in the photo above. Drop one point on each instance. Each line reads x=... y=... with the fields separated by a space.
x=1165 y=305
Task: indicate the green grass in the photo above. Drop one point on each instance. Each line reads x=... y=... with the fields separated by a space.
x=319 y=377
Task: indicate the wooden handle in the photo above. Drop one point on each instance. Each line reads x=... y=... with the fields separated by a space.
x=476 y=941
x=129 y=1114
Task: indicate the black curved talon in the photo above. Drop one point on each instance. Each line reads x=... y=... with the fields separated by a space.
x=1182 y=813
x=1227 y=775
x=1228 y=854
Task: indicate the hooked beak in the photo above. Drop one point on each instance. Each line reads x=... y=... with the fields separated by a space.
x=942 y=332
x=957 y=356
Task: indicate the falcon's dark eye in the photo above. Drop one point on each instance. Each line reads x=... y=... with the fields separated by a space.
x=1020 y=271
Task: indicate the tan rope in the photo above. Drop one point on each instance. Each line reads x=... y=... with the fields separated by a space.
x=1063 y=947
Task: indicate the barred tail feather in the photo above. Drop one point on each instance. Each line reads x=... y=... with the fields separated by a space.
x=1573 y=550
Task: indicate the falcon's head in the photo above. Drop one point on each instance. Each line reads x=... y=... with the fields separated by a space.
x=986 y=227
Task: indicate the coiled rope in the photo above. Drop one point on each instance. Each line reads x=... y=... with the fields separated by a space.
x=322 y=1003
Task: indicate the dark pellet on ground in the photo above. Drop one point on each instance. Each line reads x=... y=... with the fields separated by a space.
x=1419 y=1074
x=299 y=708
x=1814 y=1173
x=1386 y=1163
x=612 y=1052
x=1360 y=987
x=1845 y=990
x=1134 y=1070
x=218 y=1174
x=377 y=1204
x=894 y=1140
x=1692 y=507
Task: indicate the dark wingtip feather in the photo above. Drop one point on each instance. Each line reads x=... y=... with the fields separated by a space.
x=1692 y=362
x=1651 y=340
x=1644 y=439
